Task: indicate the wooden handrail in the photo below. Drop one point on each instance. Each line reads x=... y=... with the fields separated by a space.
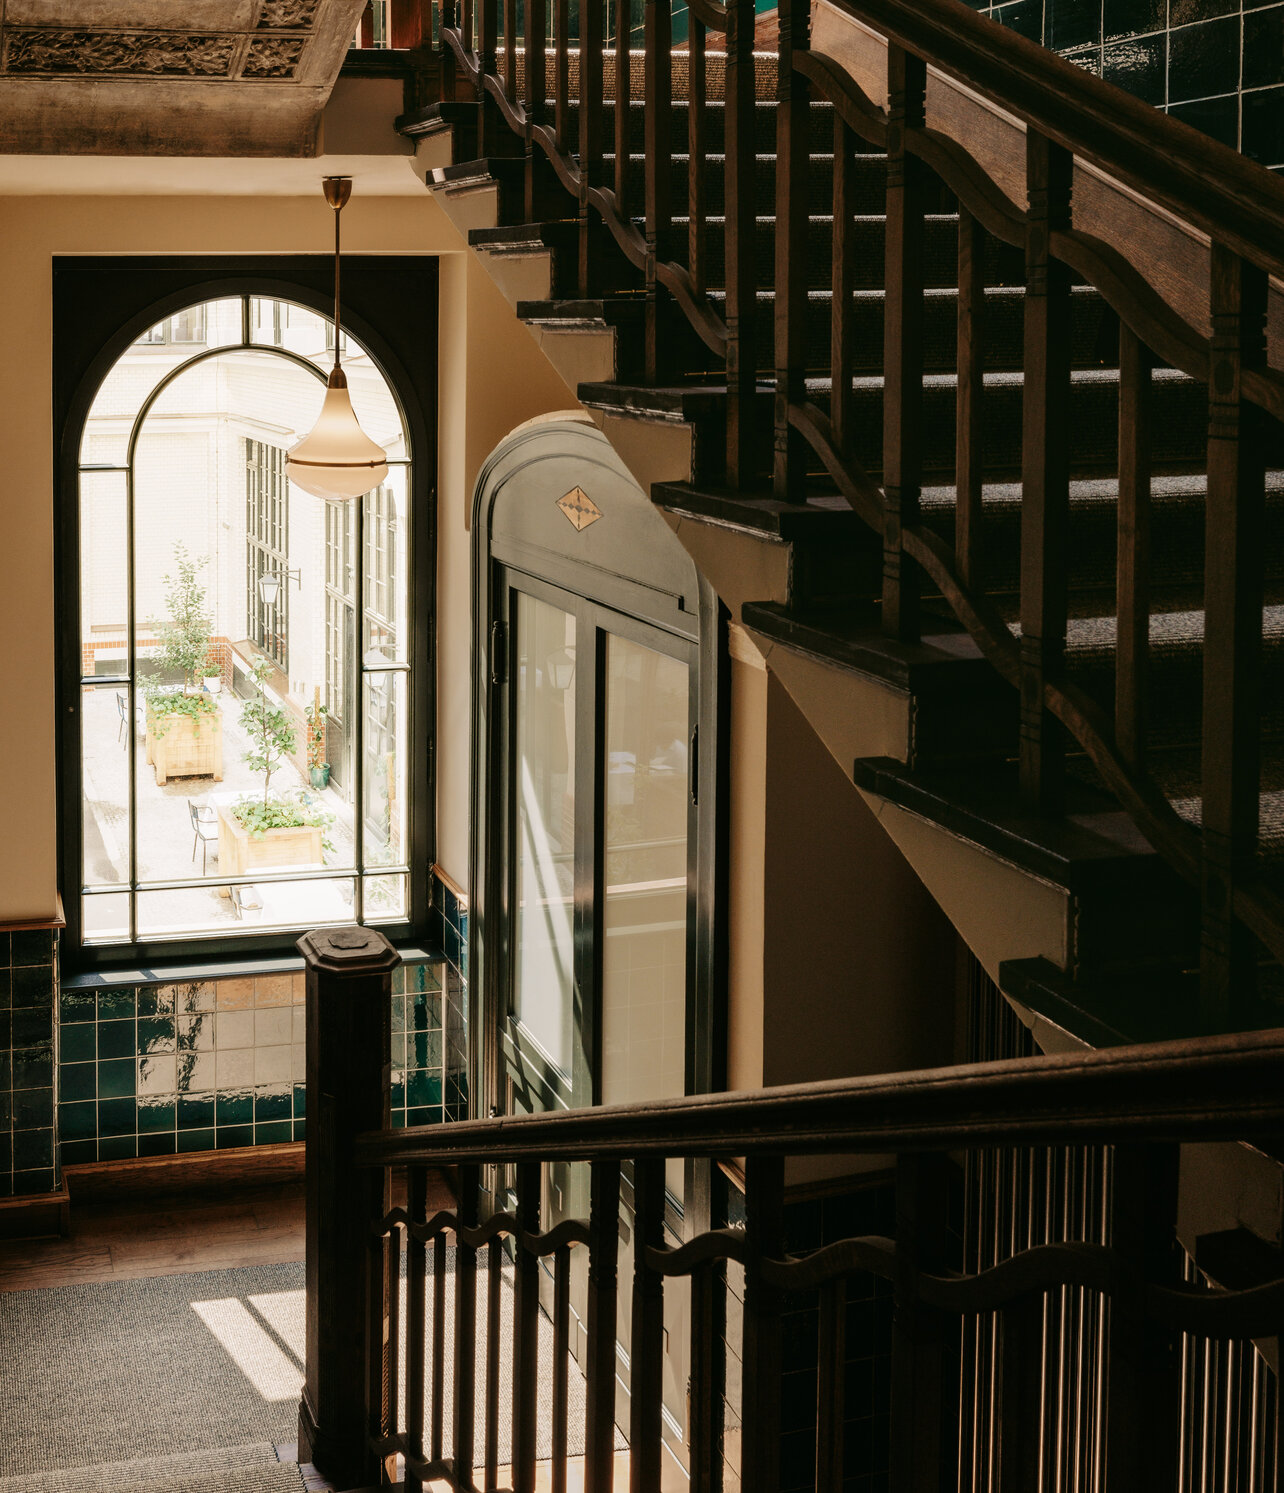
x=1216 y=188
x=1216 y=1088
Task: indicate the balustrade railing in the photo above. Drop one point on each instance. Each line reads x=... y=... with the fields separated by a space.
x=431 y=1386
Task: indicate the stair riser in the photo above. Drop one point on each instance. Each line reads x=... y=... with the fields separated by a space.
x=1003 y=264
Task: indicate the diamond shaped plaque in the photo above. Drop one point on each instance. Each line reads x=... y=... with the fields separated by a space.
x=579 y=508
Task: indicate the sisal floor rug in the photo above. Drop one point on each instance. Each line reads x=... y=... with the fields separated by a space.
x=96 y=1377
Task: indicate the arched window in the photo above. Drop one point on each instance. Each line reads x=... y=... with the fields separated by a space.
x=248 y=651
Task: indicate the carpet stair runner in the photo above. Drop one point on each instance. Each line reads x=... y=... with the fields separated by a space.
x=235 y=1469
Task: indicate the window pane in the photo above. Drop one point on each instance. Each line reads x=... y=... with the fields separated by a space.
x=543 y=996
x=155 y=354
x=106 y=917
x=104 y=574
x=386 y=898
x=384 y=523
x=105 y=731
x=384 y=780
x=645 y=844
x=252 y=909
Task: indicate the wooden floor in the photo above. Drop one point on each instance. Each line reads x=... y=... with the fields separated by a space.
x=140 y=1236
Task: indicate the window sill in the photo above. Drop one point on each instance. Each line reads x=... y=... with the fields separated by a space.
x=179 y=970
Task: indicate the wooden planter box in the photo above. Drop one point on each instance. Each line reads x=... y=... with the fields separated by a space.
x=239 y=853
x=191 y=747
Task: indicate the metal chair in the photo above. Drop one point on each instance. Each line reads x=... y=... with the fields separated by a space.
x=122 y=710
x=245 y=899
x=204 y=829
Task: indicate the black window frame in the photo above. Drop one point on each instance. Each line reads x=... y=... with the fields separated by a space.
x=267 y=549
x=101 y=307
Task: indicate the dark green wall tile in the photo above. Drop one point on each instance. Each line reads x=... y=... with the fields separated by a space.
x=158 y=1000
x=1184 y=12
x=77 y=1121
x=195 y=1112
x=76 y=1043
x=116 y=1039
x=117 y=1117
x=78 y=1152
x=117 y=1005
x=162 y=1143
x=156 y=1114
x=32 y=1108
x=76 y=1005
x=34 y=946
x=155 y=1034
x=78 y=1081
x=32 y=1149
x=33 y=986
x=115 y=1079
x=300 y=1130
x=300 y=1100
x=234 y=1107
x=43 y=1179
x=230 y=1136
x=424 y=1115
x=1203 y=60
x=33 y=1067
x=1264 y=126
x=196 y=1140
x=1132 y=17
x=1264 y=47
x=1138 y=66
x=273 y=1132
x=273 y=1104
x=30 y=1026
x=117 y=1147
x=1218 y=117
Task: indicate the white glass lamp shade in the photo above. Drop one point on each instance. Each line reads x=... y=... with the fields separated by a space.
x=337 y=459
x=269 y=585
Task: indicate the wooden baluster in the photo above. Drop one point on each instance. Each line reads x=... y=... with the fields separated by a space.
x=708 y=1331
x=465 y=1330
x=416 y=1318
x=697 y=154
x=490 y=1409
x=902 y=342
x=590 y=134
x=491 y=128
x=1143 y=1382
x=449 y=20
x=646 y=1358
x=561 y=1364
x=842 y=337
x=436 y=1417
x=467 y=23
x=658 y=96
x=391 y=1340
x=604 y=1244
x=349 y=1020
x=1045 y=473
x=1020 y=1417
x=968 y=449
x=525 y=1330
x=1132 y=576
x=741 y=231
x=919 y=1449
x=831 y=1387
x=623 y=98
x=765 y=1239
x=1233 y=596
x=789 y=474
x=510 y=50
x=377 y=1408
x=562 y=73
x=536 y=102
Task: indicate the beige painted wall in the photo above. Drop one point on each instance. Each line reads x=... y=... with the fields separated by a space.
x=506 y=381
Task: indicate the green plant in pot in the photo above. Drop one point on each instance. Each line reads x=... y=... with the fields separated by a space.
x=184 y=725
x=315 y=735
x=271 y=828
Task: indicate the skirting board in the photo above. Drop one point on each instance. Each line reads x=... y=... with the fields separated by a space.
x=194 y=1171
x=42 y=1215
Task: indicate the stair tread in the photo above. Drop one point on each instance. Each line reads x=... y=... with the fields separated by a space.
x=253 y=1467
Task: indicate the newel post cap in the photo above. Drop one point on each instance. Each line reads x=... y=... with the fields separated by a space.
x=348 y=950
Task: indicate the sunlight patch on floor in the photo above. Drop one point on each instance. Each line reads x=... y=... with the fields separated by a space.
x=250 y=1341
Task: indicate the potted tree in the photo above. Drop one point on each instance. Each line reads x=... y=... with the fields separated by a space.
x=184 y=729
x=315 y=734
x=274 y=828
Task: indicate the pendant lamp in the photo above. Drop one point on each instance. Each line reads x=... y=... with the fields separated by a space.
x=337 y=459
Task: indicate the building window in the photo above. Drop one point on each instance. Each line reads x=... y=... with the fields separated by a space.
x=267 y=550
x=247 y=652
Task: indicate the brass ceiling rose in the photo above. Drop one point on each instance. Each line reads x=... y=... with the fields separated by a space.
x=579 y=508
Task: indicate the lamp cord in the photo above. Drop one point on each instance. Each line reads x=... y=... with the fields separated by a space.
x=337 y=323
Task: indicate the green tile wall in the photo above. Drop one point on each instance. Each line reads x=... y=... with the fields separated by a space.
x=156 y=1070
x=28 y=983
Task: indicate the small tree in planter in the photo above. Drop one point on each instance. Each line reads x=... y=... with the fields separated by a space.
x=278 y=829
x=315 y=735
x=184 y=727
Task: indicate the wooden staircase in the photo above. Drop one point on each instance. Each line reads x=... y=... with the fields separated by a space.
x=952 y=463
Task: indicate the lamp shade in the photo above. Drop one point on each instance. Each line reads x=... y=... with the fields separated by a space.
x=337 y=459
x=269 y=585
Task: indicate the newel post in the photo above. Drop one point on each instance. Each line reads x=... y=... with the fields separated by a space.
x=349 y=1004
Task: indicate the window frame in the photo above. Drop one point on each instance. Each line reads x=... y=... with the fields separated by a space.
x=407 y=360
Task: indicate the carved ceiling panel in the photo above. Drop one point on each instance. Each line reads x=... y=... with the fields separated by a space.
x=178 y=77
